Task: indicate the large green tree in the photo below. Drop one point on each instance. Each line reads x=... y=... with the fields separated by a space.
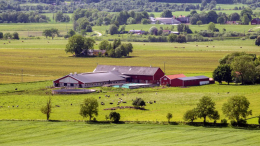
x=205 y=108
x=89 y=108
x=237 y=108
x=167 y=14
x=113 y=29
x=138 y=102
x=51 y=32
x=190 y=115
x=78 y=43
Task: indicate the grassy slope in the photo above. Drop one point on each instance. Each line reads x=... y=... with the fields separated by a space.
x=31 y=97
x=69 y=133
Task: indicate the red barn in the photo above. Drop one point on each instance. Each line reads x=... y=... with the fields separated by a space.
x=169 y=79
x=137 y=74
x=183 y=81
x=255 y=21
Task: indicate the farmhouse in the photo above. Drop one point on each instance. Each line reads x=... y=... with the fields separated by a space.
x=183 y=19
x=182 y=80
x=137 y=74
x=255 y=21
x=90 y=79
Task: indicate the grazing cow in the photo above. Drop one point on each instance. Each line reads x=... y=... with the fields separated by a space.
x=13 y=106
x=57 y=105
x=99 y=97
x=9 y=42
x=22 y=41
x=108 y=96
x=197 y=45
x=71 y=104
x=102 y=103
x=4 y=43
x=105 y=95
x=213 y=46
x=111 y=103
x=154 y=101
x=122 y=94
x=144 y=44
x=240 y=47
x=207 y=46
x=17 y=106
x=15 y=88
x=227 y=92
x=124 y=102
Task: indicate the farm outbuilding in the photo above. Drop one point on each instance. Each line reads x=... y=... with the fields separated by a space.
x=255 y=21
x=181 y=80
x=137 y=74
x=168 y=80
x=90 y=79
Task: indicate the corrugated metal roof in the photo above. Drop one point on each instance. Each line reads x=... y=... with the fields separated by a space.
x=128 y=70
x=97 y=77
x=193 y=78
x=175 y=76
x=188 y=78
x=201 y=77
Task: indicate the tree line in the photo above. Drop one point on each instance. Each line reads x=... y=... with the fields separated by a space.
x=22 y=17
x=238 y=67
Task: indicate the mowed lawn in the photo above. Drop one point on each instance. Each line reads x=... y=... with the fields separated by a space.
x=79 y=133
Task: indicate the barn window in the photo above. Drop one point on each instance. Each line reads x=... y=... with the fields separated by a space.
x=65 y=84
x=71 y=85
x=165 y=78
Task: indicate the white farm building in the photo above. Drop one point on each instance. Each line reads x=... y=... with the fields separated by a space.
x=85 y=80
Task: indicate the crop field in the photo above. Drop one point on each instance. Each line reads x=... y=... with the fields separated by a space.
x=70 y=133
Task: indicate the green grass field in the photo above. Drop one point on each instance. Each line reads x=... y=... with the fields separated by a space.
x=74 y=133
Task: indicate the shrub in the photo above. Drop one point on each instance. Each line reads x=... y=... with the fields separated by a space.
x=138 y=102
x=7 y=36
x=114 y=116
x=1 y=35
x=66 y=36
x=224 y=121
x=16 y=36
x=252 y=36
x=181 y=39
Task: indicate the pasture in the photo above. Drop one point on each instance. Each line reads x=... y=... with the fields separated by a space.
x=79 y=133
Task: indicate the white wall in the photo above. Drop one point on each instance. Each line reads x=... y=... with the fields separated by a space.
x=68 y=80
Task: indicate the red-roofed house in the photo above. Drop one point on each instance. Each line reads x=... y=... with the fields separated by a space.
x=169 y=79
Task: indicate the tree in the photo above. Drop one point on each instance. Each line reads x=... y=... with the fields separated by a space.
x=215 y=116
x=181 y=39
x=203 y=3
x=212 y=17
x=257 y=41
x=211 y=26
x=145 y=21
x=51 y=32
x=104 y=45
x=78 y=43
x=234 y=17
x=237 y=108
x=7 y=36
x=1 y=35
x=118 y=52
x=245 y=19
x=223 y=73
x=205 y=108
x=167 y=14
x=190 y=115
x=169 y=116
x=129 y=48
x=114 y=116
x=59 y=16
x=89 y=108
x=47 y=108
x=221 y=20
x=199 y=23
x=172 y=37
x=138 y=102
x=243 y=67
x=247 y=12
x=16 y=36
x=113 y=29
x=153 y=30
x=71 y=33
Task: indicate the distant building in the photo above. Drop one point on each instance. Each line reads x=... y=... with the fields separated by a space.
x=136 y=32
x=181 y=80
x=85 y=80
x=138 y=74
x=233 y=22
x=92 y=52
x=183 y=19
x=165 y=21
x=255 y=21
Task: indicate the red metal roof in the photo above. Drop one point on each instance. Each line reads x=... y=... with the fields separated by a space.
x=175 y=76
